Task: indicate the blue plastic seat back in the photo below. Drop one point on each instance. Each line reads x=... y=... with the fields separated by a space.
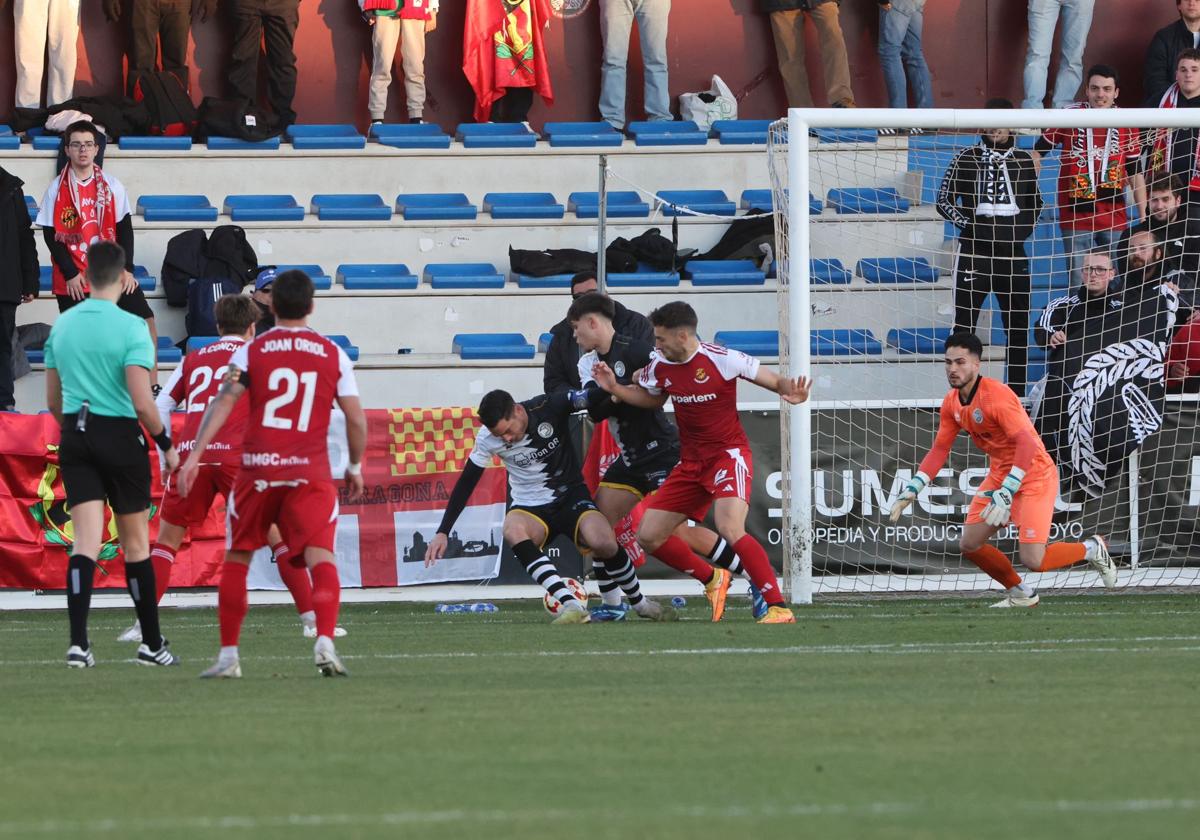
x=844 y=342
x=666 y=133
x=377 y=276
x=463 y=276
x=712 y=202
x=828 y=272
x=321 y=280
x=644 y=277
x=896 y=270
x=519 y=205
x=409 y=136
x=492 y=346
x=326 y=136
x=923 y=340
x=356 y=207
x=853 y=200
x=263 y=208
x=725 y=273
x=625 y=204
x=751 y=342
x=580 y=134
x=430 y=206
x=176 y=208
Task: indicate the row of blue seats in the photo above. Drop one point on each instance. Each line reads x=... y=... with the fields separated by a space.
x=169 y=352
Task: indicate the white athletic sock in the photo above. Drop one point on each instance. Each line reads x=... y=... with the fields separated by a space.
x=309 y=619
x=229 y=653
x=1022 y=589
x=1091 y=545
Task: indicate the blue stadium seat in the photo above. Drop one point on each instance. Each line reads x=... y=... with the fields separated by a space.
x=725 y=273
x=263 y=208
x=321 y=281
x=828 y=273
x=420 y=207
x=764 y=201
x=644 y=277
x=867 y=200
x=492 y=346
x=713 y=202
x=31 y=204
x=376 y=276
x=35 y=357
x=522 y=205
x=195 y=342
x=621 y=204
x=45 y=279
x=844 y=342
x=343 y=341
x=145 y=279
x=463 y=276
x=1049 y=267
x=665 y=133
x=495 y=136
x=45 y=142
x=351 y=207
x=155 y=144
x=918 y=339
x=335 y=136
x=408 y=136
x=751 y=342
x=167 y=351
x=896 y=270
x=553 y=281
x=576 y=134
x=931 y=154
x=846 y=135
x=9 y=142
x=176 y=208
x=225 y=144
x=544 y=342
x=741 y=132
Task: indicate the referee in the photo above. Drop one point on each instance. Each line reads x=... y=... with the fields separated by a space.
x=98 y=363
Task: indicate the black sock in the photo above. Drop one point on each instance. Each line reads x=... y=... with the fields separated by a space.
x=80 y=573
x=620 y=569
x=543 y=571
x=139 y=578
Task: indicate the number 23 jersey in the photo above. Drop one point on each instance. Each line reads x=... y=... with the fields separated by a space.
x=194 y=385
x=292 y=375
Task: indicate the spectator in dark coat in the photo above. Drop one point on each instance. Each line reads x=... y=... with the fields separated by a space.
x=1165 y=47
x=18 y=274
x=561 y=369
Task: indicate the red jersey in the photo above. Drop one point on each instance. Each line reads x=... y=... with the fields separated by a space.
x=704 y=390
x=1091 y=180
x=192 y=386
x=293 y=375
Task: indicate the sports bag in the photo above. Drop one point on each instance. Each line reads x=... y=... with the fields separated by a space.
x=172 y=113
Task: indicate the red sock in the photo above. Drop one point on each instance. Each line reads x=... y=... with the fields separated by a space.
x=232 y=602
x=295 y=578
x=992 y=561
x=758 y=566
x=326 y=596
x=1063 y=554
x=676 y=554
x=163 y=557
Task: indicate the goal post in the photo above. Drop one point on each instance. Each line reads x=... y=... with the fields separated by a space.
x=866 y=272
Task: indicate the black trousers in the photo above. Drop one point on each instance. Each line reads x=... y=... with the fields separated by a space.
x=152 y=21
x=269 y=24
x=514 y=106
x=1007 y=278
x=8 y=327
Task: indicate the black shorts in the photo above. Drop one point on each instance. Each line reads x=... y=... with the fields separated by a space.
x=134 y=303
x=643 y=478
x=109 y=460
x=564 y=515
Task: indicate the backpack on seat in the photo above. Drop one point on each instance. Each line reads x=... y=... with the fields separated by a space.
x=172 y=112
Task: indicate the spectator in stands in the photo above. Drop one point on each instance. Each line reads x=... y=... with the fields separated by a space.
x=1097 y=166
x=504 y=58
x=1076 y=16
x=1183 y=358
x=1180 y=235
x=1067 y=319
x=1165 y=47
x=45 y=26
x=787 y=24
x=19 y=274
x=405 y=22
x=155 y=22
x=616 y=21
x=561 y=368
x=990 y=194
x=269 y=24
x=262 y=296
x=1176 y=151
x=900 y=25
x=84 y=205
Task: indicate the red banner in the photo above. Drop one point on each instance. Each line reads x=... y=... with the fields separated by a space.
x=413 y=459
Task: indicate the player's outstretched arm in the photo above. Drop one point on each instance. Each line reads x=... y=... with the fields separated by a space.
x=459 y=496
x=356 y=437
x=214 y=418
x=634 y=395
x=794 y=391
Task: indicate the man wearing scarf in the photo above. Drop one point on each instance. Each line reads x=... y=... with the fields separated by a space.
x=990 y=194
x=1096 y=166
x=504 y=58
x=1176 y=151
x=83 y=206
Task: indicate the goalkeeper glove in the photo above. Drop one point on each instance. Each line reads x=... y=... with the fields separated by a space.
x=999 y=508
x=909 y=495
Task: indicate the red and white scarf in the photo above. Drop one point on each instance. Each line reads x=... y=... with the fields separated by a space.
x=1164 y=142
x=69 y=221
x=1098 y=169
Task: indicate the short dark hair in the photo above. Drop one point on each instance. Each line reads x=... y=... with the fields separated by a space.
x=1191 y=54
x=1104 y=70
x=582 y=277
x=999 y=103
x=675 y=315
x=235 y=314
x=80 y=126
x=591 y=303
x=967 y=341
x=494 y=407
x=105 y=264
x=292 y=295
x=1163 y=183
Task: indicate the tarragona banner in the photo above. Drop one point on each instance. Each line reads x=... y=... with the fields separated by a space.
x=413 y=458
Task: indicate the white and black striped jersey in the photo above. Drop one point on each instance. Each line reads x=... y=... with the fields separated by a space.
x=1075 y=314
x=643 y=434
x=541 y=466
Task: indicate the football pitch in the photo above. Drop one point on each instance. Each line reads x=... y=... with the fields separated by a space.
x=888 y=719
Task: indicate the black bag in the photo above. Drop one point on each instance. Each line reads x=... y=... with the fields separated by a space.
x=237 y=118
x=202 y=297
x=228 y=254
x=744 y=240
x=550 y=261
x=183 y=262
x=658 y=252
x=172 y=112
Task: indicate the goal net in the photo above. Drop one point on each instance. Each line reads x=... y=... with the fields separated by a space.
x=890 y=239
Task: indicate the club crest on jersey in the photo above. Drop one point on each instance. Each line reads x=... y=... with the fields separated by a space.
x=619 y=368
x=701 y=375
x=977 y=415
x=545 y=430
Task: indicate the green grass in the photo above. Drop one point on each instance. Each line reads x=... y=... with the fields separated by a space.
x=892 y=719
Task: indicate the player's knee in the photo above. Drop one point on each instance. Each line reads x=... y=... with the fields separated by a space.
x=605 y=547
x=969 y=543
x=648 y=542
x=515 y=532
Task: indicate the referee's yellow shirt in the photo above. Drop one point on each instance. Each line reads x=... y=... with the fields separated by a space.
x=90 y=346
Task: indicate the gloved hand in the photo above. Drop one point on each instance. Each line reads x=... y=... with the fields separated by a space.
x=999 y=508
x=203 y=9
x=112 y=10
x=909 y=495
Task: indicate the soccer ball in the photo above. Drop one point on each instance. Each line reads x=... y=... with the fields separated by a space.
x=551 y=604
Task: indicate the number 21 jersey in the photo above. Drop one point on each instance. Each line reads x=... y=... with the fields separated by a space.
x=293 y=375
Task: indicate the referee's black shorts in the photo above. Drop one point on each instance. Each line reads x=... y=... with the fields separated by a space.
x=109 y=460
x=134 y=303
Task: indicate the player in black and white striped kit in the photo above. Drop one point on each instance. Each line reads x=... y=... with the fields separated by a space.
x=549 y=496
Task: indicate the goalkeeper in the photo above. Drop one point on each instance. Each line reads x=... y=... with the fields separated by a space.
x=1021 y=484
